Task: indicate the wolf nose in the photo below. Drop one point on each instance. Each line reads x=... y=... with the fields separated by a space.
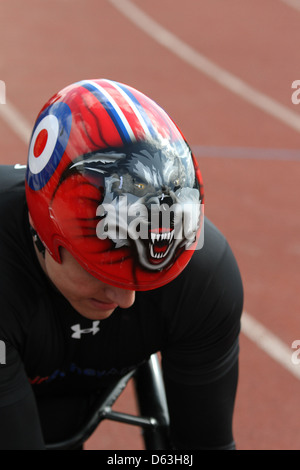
x=165 y=199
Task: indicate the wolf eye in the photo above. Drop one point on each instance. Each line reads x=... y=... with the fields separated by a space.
x=176 y=182
x=139 y=185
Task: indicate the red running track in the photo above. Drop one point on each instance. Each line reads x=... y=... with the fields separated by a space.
x=249 y=157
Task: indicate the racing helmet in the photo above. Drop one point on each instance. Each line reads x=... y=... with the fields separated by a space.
x=111 y=178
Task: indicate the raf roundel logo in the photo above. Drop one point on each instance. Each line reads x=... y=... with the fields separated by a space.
x=48 y=142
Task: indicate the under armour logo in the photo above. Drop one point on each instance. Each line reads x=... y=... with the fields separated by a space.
x=78 y=331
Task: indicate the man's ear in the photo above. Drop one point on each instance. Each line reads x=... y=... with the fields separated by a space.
x=30 y=220
x=35 y=236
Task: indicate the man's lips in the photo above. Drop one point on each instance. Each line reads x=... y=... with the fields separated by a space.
x=100 y=305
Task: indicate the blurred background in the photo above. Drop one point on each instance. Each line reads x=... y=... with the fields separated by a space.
x=224 y=72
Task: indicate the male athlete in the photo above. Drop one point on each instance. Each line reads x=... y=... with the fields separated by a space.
x=102 y=264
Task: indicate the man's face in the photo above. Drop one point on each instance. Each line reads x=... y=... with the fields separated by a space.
x=89 y=296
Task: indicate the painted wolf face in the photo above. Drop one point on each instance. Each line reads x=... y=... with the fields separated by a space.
x=150 y=200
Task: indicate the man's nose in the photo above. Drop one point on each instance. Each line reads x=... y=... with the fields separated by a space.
x=123 y=297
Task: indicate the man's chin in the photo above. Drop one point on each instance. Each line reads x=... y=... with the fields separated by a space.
x=93 y=312
x=97 y=315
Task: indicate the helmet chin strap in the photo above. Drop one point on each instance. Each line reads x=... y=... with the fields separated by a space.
x=37 y=241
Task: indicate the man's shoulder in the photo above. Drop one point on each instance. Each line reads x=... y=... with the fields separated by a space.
x=12 y=202
x=12 y=177
x=16 y=261
x=212 y=248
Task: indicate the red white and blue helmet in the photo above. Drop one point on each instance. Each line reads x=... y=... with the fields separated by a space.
x=111 y=178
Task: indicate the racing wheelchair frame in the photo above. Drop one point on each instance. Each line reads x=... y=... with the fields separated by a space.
x=151 y=399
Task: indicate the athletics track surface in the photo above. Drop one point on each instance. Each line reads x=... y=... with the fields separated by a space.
x=224 y=72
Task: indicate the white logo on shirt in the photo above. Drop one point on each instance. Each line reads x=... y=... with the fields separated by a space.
x=78 y=331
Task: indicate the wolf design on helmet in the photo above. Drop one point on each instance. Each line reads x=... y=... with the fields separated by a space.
x=112 y=180
x=144 y=205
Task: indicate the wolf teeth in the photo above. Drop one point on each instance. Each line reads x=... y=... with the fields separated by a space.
x=156 y=237
x=158 y=255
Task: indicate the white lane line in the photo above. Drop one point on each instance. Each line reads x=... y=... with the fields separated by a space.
x=206 y=66
x=16 y=121
x=269 y=343
x=293 y=3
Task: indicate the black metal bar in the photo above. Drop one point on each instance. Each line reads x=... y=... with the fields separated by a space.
x=131 y=419
x=154 y=419
x=96 y=415
x=152 y=401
